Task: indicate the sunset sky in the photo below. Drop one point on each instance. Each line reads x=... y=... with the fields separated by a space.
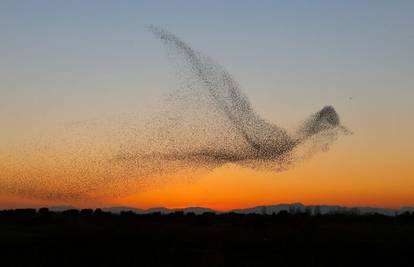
x=68 y=62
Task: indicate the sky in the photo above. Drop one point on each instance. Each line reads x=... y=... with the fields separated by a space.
x=79 y=61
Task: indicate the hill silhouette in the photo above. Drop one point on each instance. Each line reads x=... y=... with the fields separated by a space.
x=265 y=209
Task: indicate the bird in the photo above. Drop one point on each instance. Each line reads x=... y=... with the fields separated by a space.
x=263 y=140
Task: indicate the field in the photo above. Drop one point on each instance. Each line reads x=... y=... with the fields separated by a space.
x=97 y=238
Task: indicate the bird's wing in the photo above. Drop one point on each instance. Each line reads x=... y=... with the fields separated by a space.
x=225 y=92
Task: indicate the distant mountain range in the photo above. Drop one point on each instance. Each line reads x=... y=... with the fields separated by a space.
x=269 y=209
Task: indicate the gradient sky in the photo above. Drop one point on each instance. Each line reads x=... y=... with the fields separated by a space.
x=65 y=61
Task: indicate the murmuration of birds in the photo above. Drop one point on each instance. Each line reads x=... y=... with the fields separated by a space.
x=206 y=123
x=219 y=123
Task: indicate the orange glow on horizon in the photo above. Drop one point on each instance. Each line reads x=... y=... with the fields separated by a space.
x=333 y=178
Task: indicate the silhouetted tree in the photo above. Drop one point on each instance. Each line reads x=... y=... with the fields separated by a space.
x=71 y=212
x=86 y=212
x=317 y=211
x=44 y=211
x=24 y=212
x=283 y=213
x=177 y=213
x=98 y=211
x=208 y=213
x=127 y=213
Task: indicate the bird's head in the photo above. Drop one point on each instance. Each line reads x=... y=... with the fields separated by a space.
x=326 y=119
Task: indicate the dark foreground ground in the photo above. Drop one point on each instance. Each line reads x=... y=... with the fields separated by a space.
x=73 y=238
